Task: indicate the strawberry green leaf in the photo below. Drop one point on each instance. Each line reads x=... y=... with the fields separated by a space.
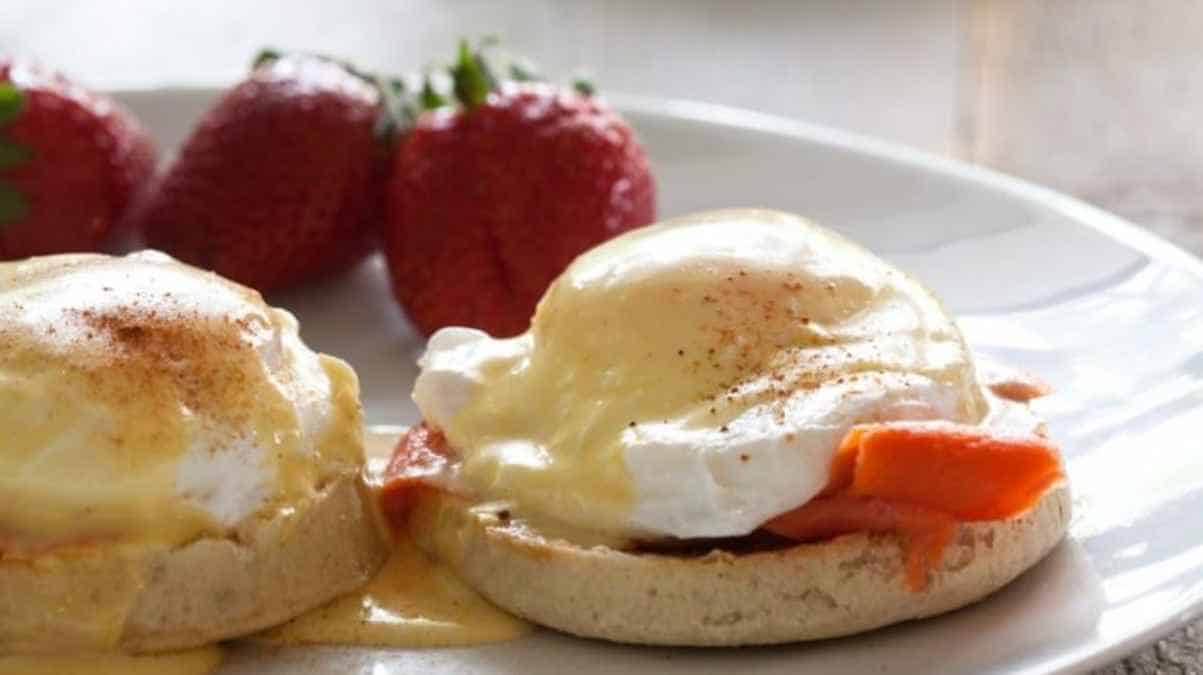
x=265 y=55
x=398 y=108
x=12 y=205
x=12 y=154
x=431 y=99
x=268 y=55
x=520 y=72
x=11 y=101
x=583 y=87
x=472 y=78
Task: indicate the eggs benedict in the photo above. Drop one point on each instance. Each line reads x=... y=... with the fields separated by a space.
x=176 y=466
x=730 y=428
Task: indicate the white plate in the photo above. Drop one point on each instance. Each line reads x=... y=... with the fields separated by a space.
x=1109 y=314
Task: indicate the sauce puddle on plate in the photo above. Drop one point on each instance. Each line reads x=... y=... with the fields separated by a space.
x=190 y=662
x=413 y=601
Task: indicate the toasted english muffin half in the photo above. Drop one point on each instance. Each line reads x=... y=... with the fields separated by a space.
x=141 y=598
x=846 y=585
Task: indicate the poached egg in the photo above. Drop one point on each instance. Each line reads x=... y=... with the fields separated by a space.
x=693 y=378
x=145 y=401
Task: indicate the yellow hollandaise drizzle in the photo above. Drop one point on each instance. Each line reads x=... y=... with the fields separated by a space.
x=190 y=662
x=670 y=331
x=413 y=601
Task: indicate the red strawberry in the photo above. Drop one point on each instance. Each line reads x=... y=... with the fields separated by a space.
x=489 y=203
x=280 y=182
x=70 y=163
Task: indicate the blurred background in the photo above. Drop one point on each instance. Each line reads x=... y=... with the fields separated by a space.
x=831 y=62
x=1099 y=98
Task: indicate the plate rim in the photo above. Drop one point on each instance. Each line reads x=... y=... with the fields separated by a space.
x=1076 y=210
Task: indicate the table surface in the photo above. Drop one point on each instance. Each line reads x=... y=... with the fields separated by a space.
x=941 y=75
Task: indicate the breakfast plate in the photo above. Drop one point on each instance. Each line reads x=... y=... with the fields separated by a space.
x=1109 y=314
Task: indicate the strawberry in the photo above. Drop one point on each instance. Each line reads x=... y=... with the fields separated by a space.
x=489 y=202
x=280 y=182
x=70 y=163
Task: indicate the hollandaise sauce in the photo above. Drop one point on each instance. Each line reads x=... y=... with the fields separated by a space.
x=412 y=602
x=692 y=379
x=190 y=662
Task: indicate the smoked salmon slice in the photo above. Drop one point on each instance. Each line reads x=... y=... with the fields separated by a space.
x=421 y=454
x=918 y=479
x=965 y=471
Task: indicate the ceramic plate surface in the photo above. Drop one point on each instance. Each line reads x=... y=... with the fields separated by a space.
x=1112 y=316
